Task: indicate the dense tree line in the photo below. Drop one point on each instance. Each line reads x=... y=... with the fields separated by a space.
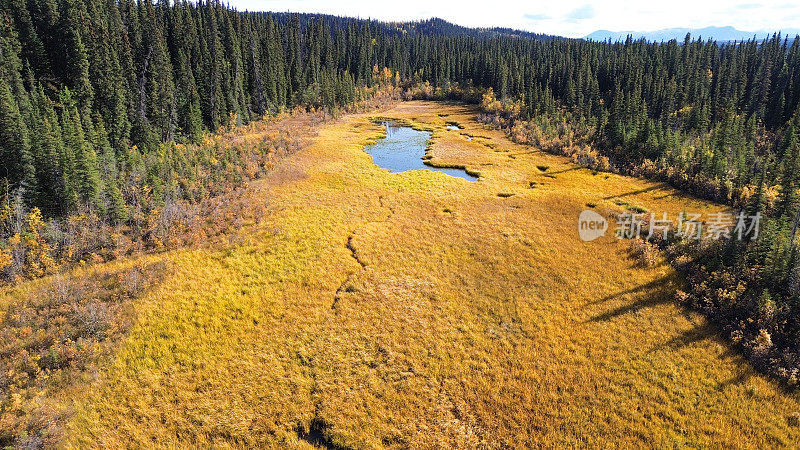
x=91 y=87
x=86 y=85
x=90 y=90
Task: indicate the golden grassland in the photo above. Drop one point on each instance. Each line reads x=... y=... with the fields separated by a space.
x=369 y=309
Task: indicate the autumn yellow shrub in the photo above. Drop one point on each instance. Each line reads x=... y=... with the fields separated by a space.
x=5 y=259
x=39 y=258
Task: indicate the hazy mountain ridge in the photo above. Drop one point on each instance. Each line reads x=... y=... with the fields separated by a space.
x=727 y=33
x=436 y=26
x=433 y=26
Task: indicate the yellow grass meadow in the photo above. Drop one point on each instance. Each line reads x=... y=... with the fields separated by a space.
x=369 y=309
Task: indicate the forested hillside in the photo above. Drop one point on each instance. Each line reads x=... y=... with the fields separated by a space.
x=86 y=82
x=98 y=97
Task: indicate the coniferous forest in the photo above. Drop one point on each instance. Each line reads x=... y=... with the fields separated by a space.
x=89 y=87
x=98 y=97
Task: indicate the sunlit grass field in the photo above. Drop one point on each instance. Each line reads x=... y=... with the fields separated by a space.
x=368 y=309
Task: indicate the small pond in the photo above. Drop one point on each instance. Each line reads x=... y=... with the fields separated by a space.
x=402 y=150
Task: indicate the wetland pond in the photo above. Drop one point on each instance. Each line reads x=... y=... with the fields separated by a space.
x=402 y=150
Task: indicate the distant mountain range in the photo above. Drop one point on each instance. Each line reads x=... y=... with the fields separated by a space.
x=716 y=33
x=427 y=27
x=440 y=27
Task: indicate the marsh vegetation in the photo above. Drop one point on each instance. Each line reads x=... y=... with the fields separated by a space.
x=454 y=322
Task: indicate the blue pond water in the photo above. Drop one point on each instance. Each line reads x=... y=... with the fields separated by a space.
x=402 y=150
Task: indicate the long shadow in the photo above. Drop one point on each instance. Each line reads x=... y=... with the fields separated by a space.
x=567 y=170
x=661 y=197
x=699 y=333
x=708 y=331
x=654 y=293
x=657 y=283
x=743 y=377
x=640 y=191
x=661 y=291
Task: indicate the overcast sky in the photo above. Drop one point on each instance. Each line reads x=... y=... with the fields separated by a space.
x=572 y=18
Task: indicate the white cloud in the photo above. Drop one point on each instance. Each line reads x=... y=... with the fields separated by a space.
x=583 y=12
x=572 y=18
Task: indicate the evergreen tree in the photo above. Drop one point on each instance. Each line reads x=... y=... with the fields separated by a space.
x=16 y=163
x=76 y=60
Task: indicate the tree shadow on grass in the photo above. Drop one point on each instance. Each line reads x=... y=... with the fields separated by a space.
x=696 y=334
x=654 y=285
x=571 y=169
x=707 y=331
x=648 y=295
x=640 y=191
x=662 y=291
